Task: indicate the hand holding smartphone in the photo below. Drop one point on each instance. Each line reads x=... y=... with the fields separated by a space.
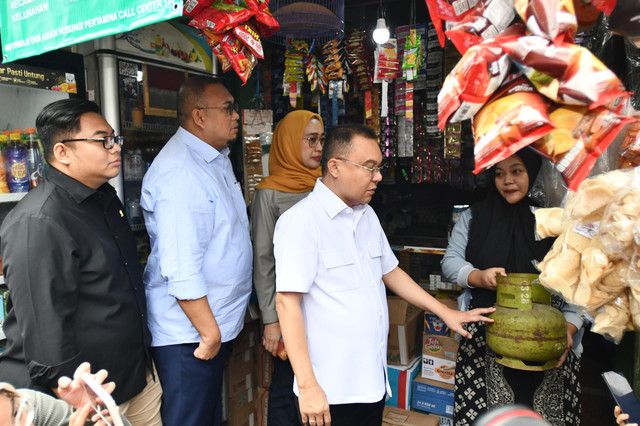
x=97 y=394
x=623 y=394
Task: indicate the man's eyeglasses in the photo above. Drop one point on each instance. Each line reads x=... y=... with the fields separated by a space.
x=372 y=170
x=314 y=140
x=107 y=142
x=230 y=108
x=21 y=407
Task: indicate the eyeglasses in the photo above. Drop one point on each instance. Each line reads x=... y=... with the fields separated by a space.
x=22 y=409
x=107 y=142
x=230 y=108
x=314 y=140
x=372 y=170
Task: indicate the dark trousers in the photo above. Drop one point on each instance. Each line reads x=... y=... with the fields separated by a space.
x=191 y=388
x=365 y=414
x=283 y=410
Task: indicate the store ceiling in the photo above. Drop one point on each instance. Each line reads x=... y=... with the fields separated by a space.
x=359 y=13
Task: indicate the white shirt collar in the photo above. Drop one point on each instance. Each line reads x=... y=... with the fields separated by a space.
x=330 y=202
x=200 y=147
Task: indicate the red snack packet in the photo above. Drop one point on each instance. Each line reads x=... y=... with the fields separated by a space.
x=214 y=40
x=485 y=21
x=580 y=136
x=221 y=17
x=240 y=57
x=263 y=21
x=606 y=6
x=473 y=80
x=552 y=19
x=193 y=7
x=442 y=11
x=565 y=73
x=631 y=144
x=250 y=38
x=515 y=117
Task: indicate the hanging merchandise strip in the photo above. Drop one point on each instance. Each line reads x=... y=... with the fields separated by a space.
x=384 y=107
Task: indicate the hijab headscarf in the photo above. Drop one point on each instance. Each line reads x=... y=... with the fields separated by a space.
x=287 y=173
x=503 y=234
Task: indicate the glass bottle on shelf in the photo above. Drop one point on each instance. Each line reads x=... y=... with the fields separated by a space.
x=35 y=163
x=4 y=186
x=16 y=165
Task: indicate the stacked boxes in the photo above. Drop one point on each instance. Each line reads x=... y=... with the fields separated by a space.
x=405 y=329
x=433 y=392
x=241 y=389
x=397 y=417
x=400 y=380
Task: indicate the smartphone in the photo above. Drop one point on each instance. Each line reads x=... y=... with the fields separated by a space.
x=95 y=390
x=623 y=394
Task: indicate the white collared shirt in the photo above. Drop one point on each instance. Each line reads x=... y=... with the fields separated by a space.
x=336 y=256
x=199 y=232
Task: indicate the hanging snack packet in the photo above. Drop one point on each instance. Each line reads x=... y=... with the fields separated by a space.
x=484 y=22
x=263 y=21
x=214 y=40
x=514 y=118
x=473 y=80
x=606 y=6
x=552 y=19
x=250 y=38
x=241 y=58
x=580 y=136
x=193 y=7
x=413 y=55
x=221 y=17
x=448 y=11
x=567 y=73
x=631 y=143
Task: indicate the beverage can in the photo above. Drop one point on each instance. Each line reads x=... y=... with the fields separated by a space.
x=16 y=165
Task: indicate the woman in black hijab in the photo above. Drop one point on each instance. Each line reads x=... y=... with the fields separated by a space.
x=497 y=236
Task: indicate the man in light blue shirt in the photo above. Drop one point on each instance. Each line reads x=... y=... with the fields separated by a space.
x=198 y=275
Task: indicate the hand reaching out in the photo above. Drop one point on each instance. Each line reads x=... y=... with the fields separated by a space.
x=73 y=392
x=486 y=278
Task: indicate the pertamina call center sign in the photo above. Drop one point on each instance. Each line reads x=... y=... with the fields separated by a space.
x=32 y=27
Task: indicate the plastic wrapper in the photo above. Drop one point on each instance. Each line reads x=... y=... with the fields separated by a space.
x=221 y=17
x=194 y=7
x=263 y=21
x=594 y=266
x=588 y=203
x=473 y=80
x=552 y=19
x=616 y=226
x=612 y=319
x=413 y=55
x=579 y=139
x=485 y=21
x=514 y=118
x=567 y=73
x=214 y=40
x=250 y=38
x=387 y=64
x=359 y=59
x=605 y=6
x=240 y=57
x=548 y=222
x=443 y=11
x=630 y=149
x=560 y=269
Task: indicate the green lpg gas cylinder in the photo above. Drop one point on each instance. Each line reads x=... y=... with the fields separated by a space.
x=527 y=332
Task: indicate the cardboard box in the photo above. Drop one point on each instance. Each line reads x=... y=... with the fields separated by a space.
x=262 y=406
x=242 y=409
x=240 y=372
x=396 y=416
x=263 y=366
x=248 y=337
x=446 y=421
x=439 y=355
x=405 y=329
x=433 y=397
x=433 y=324
x=400 y=380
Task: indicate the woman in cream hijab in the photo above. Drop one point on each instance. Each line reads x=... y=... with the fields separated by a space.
x=294 y=167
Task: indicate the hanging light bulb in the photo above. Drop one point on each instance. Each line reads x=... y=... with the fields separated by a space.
x=381 y=33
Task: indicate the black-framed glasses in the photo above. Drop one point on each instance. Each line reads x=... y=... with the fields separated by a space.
x=372 y=170
x=107 y=142
x=314 y=140
x=230 y=108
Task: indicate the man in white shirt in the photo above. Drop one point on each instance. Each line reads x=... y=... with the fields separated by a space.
x=333 y=262
x=198 y=275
